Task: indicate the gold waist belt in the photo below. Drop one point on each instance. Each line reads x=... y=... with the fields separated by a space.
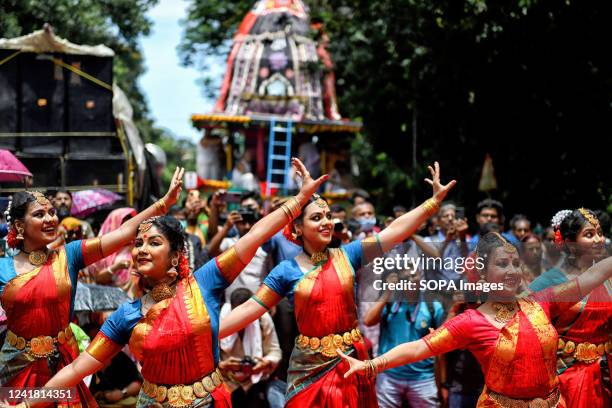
x=549 y=402
x=40 y=346
x=327 y=345
x=183 y=395
x=585 y=352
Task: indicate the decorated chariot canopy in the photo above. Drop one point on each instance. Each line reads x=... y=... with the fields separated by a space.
x=276 y=69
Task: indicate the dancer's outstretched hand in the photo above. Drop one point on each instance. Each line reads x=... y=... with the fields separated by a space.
x=176 y=186
x=356 y=366
x=439 y=191
x=309 y=186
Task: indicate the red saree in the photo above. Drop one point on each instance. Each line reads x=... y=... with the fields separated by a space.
x=173 y=341
x=37 y=303
x=325 y=311
x=324 y=305
x=587 y=322
x=519 y=360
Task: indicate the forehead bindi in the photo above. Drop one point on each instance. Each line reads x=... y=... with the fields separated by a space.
x=150 y=234
x=36 y=206
x=502 y=253
x=313 y=209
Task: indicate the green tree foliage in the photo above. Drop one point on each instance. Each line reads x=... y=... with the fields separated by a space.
x=527 y=81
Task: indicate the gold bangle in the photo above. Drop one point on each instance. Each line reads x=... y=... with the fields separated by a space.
x=286 y=211
x=383 y=364
x=372 y=372
x=161 y=205
x=292 y=208
x=431 y=206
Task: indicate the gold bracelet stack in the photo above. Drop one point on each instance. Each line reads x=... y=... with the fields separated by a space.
x=161 y=206
x=292 y=208
x=431 y=206
x=372 y=368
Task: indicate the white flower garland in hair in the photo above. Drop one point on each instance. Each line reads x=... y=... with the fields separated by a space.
x=7 y=213
x=558 y=218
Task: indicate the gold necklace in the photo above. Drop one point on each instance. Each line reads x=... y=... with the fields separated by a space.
x=317 y=257
x=504 y=311
x=36 y=258
x=161 y=291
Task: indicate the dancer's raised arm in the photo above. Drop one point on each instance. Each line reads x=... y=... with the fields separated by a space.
x=115 y=240
x=407 y=224
x=269 y=225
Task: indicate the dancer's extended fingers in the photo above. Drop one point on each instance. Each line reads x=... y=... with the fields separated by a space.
x=321 y=180
x=299 y=167
x=450 y=185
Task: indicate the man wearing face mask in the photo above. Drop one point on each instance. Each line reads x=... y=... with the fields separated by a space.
x=63 y=204
x=365 y=215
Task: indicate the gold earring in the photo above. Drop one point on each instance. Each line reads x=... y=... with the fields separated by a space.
x=19 y=232
x=174 y=262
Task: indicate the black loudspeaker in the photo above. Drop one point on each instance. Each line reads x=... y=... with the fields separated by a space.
x=8 y=98
x=42 y=102
x=90 y=106
x=46 y=171
x=89 y=172
x=94 y=146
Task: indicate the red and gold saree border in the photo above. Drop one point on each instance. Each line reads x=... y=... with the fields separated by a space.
x=200 y=324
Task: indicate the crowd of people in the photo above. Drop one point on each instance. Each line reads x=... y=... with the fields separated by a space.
x=239 y=302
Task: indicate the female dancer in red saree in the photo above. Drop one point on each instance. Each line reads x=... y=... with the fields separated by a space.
x=320 y=282
x=37 y=289
x=173 y=329
x=583 y=355
x=513 y=339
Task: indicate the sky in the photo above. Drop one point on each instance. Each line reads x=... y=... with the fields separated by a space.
x=171 y=89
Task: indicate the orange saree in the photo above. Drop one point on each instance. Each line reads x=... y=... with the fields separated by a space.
x=325 y=311
x=38 y=307
x=519 y=360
